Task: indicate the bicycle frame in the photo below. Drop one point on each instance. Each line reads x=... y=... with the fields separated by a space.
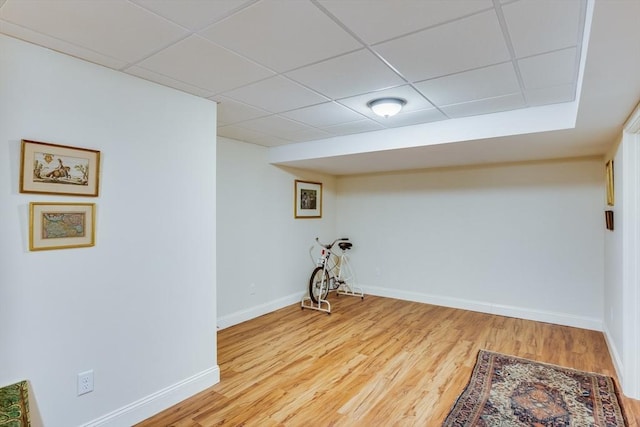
x=332 y=273
x=327 y=260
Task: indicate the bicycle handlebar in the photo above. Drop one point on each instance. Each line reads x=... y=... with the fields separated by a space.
x=329 y=246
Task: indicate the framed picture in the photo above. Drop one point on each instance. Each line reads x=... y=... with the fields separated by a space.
x=61 y=225
x=58 y=169
x=610 y=187
x=308 y=199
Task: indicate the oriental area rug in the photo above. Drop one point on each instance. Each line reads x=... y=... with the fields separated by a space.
x=509 y=391
x=14 y=405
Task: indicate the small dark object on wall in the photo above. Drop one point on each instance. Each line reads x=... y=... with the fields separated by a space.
x=608 y=217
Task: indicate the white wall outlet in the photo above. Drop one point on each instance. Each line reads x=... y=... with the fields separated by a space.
x=252 y=289
x=85 y=382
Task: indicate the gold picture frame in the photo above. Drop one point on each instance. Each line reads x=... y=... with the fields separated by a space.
x=610 y=184
x=307 y=200
x=61 y=225
x=59 y=169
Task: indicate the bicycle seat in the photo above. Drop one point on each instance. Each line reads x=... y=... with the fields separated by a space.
x=345 y=245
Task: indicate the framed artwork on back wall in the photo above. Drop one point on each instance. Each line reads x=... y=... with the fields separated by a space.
x=307 y=199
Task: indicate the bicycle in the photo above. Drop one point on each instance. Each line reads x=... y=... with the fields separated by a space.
x=333 y=272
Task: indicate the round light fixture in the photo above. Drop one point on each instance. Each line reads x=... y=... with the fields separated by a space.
x=386 y=107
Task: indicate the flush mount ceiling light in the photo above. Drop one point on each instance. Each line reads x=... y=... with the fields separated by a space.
x=386 y=107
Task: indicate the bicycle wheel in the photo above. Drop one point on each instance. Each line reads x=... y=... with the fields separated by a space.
x=318 y=285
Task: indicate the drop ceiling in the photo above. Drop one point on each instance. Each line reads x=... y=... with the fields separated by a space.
x=296 y=75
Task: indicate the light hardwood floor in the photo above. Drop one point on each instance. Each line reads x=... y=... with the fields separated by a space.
x=372 y=362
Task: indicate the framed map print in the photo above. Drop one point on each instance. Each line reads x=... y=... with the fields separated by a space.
x=61 y=225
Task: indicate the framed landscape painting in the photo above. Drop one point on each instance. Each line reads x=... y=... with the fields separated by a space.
x=58 y=169
x=308 y=199
x=61 y=225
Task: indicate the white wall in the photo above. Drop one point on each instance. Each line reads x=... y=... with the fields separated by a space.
x=613 y=290
x=259 y=242
x=622 y=250
x=523 y=240
x=139 y=308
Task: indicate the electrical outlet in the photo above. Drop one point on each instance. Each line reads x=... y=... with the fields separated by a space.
x=252 y=289
x=85 y=382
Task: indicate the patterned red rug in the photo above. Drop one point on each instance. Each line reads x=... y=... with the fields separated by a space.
x=510 y=391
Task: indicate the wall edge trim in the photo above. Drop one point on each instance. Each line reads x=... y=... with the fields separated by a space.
x=258 y=310
x=154 y=403
x=557 y=318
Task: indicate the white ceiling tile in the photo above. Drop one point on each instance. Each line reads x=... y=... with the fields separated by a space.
x=115 y=28
x=203 y=64
x=327 y=114
x=282 y=35
x=413 y=118
x=274 y=125
x=309 y=134
x=248 y=135
x=167 y=81
x=230 y=111
x=284 y=128
x=37 y=38
x=193 y=14
x=415 y=101
x=376 y=21
x=469 y=43
x=485 y=106
x=551 y=69
x=275 y=94
x=487 y=82
x=343 y=76
x=550 y=95
x=358 y=126
x=537 y=26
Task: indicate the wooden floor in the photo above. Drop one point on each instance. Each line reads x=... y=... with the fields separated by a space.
x=372 y=362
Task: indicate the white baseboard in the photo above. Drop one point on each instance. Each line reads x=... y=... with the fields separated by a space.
x=615 y=354
x=258 y=310
x=626 y=384
x=162 y=399
x=486 y=307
